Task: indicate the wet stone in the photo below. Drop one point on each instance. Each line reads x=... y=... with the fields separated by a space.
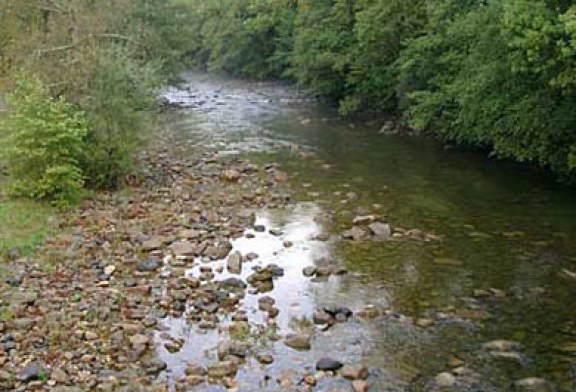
x=264 y=359
x=195 y=380
x=193 y=369
x=328 y=364
x=298 y=341
x=275 y=232
x=354 y=372
x=154 y=366
x=323 y=271
x=222 y=369
x=321 y=317
x=309 y=271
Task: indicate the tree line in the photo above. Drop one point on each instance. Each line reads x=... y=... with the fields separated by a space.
x=83 y=74
x=497 y=74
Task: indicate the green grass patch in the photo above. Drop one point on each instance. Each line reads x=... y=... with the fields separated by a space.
x=23 y=225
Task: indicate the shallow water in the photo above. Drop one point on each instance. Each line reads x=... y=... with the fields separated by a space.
x=502 y=227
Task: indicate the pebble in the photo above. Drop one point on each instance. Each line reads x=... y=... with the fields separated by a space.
x=445 y=380
x=354 y=372
x=298 y=341
x=265 y=359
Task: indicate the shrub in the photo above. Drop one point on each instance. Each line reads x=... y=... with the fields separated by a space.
x=43 y=138
x=120 y=94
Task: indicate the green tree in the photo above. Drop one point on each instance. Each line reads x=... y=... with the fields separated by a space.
x=43 y=139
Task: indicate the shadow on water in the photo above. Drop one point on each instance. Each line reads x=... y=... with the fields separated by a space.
x=507 y=232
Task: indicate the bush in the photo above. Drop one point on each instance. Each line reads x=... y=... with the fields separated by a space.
x=43 y=138
x=120 y=95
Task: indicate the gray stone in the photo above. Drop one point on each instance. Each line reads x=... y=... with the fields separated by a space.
x=354 y=372
x=182 y=248
x=328 y=364
x=148 y=265
x=151 y=244
x=380 y=230
x=445 y=380
x=234 y=264
x=298 y=341
x=534 y=384
x=364 y=219
x=355 y=234
x=155 y=366
x=32 y=371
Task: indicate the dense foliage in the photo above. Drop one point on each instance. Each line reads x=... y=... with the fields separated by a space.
x=101 y=61
x=495 y=74
x=43 y=142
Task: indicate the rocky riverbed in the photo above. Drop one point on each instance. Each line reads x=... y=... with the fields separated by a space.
x=219 y=269
x=171 y=284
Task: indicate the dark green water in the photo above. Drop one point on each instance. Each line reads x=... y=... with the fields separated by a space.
x=501 y=226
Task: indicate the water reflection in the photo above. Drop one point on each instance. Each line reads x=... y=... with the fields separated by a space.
x=509 y=229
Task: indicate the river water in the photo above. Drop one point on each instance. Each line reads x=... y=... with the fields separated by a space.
x=501 y=269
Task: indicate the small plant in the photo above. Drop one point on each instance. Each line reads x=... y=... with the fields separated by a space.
x=76 y=297
x=42 y=376
x=43 y=138
x=7 y=314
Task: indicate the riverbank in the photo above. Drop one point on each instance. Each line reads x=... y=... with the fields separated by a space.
x=252 y=251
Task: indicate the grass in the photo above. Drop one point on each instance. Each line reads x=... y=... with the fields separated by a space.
x=23 y=225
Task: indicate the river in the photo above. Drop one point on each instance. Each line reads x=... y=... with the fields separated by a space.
x=499 y=270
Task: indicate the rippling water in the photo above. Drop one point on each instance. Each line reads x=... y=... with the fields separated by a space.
x=503 y=227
